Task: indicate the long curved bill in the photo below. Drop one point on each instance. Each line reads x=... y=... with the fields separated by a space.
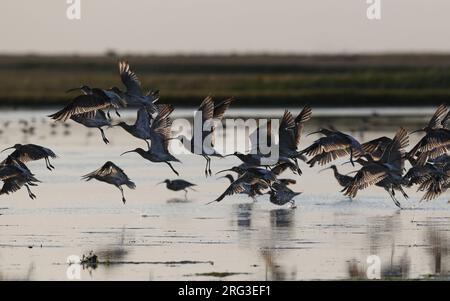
x=316 y=132
x=7 y=149
x=324 y=169
x=73 y=89
x=416 y=131
x=223 y=171
x=131 y=151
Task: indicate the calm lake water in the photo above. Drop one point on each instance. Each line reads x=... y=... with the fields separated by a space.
x=158 y=235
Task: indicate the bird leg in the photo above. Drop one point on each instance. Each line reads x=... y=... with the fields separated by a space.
x=209 y=165
x=299 y=171
x=123 y=197
x=117 y=112
x=351 y=156
x=30 y=194
x=171 y=167
x=47 y=163
x=206 y=167
x=185 y=193
x=403 y=192
x=396 y=202
x=103 y=136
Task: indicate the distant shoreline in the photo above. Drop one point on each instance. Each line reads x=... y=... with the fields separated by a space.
x=254 y=80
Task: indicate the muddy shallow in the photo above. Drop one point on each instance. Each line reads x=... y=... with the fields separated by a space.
x=158 y=235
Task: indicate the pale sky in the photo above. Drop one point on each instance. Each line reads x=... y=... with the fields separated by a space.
x=224 y=26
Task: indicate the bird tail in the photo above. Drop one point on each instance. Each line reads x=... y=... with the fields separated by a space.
x=131 y=185
x=88 y=177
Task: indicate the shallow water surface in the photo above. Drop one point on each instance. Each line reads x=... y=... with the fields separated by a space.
x=160 y=235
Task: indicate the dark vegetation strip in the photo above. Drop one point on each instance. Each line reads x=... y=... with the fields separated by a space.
x=371 y=80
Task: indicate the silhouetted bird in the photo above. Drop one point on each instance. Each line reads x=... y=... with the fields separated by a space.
x=111 y=174
x=32 y=152
x=179 y=184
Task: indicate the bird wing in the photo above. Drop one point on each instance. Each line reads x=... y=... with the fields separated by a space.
x=108 y=169
x=394 y=152
x=32 y=152
x=182 y=183
x=280 y=168
x=303 y=117
x=438 y=117
x=129 y=79
x=375 y=144
x=327 y=144
x=445 y=120
x=219 y=110
x=161 y=132
x=80 y=105
x=11 y=185
x=366 y=176
x=327 y=157
x=234 y=188
x=286 y=132
x=7 y=172
x=143 y=119
x=207 y=110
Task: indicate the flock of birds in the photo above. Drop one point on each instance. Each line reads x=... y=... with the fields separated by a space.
x=381 y=162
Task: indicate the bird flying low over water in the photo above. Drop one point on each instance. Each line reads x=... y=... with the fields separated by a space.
x=178 y=184
x=111 y=174
x=433 y=177
x=96 y=120
x=111 y=94
x=133 y=95
x=160 y=134
x=289 y=133
x=335 y=144
x=146 y=126
x=252 y=190
x=14 y=175
x=243 y=183
x=209 y=113
x=280 y=195
x=385 y=172
x=88 y=104
x=32 y=152
x=436 y=140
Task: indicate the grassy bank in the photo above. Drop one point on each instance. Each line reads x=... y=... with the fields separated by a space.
x=400 y=80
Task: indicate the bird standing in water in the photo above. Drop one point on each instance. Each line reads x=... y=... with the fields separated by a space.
x=179 y=184
x=111 y=174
